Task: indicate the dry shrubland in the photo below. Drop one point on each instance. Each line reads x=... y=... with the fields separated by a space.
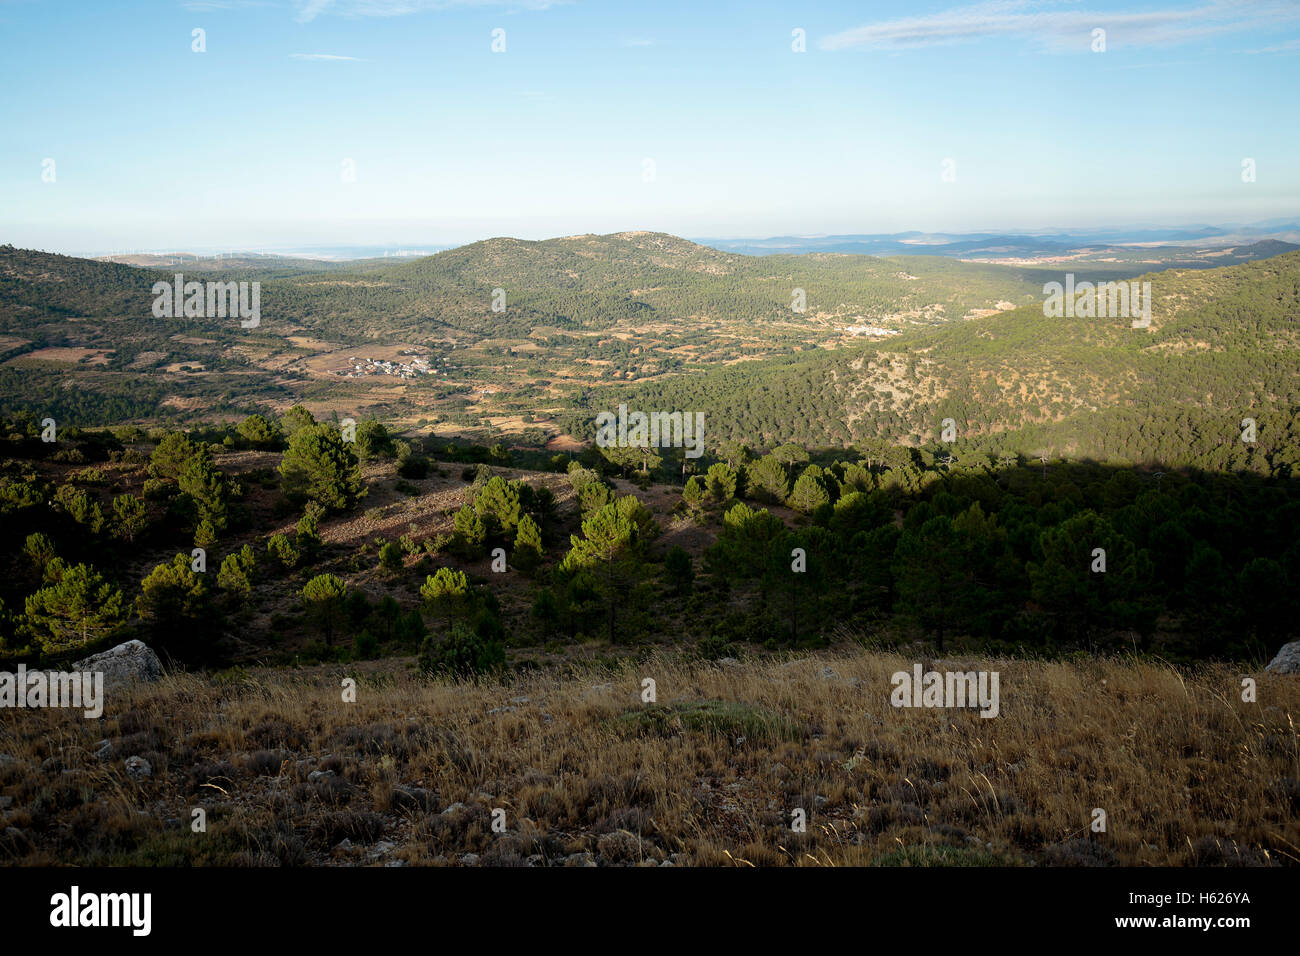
x=288 y=773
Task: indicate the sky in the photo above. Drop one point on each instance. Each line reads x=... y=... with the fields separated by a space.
x=367 y=122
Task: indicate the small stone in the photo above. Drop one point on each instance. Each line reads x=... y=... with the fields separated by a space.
x=319 y=775
x=454 y=808
x=469 y=859
x=729 y=662
x=137 y=768
x=502 y=710
x=519 y=700
x=103 y=750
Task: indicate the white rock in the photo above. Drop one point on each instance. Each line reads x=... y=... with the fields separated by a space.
x=124 y=665
x=1287 y=660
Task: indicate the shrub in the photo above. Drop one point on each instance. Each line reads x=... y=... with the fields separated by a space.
x=235 y=576
x=413 y=466
x=283 y=550
x=365 y=646
x=390 y=557
x=463 y=654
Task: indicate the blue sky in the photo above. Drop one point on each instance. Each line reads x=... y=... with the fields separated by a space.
x=242 y=146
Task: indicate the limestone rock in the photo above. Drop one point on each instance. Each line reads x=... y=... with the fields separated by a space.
x=1287 y=660
x=124 y=665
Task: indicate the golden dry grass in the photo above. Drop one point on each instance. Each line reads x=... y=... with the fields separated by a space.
x=1187 y=772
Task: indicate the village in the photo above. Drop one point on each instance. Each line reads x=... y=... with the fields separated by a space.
x=408 y=365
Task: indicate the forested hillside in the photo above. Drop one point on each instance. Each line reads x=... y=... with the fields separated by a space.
x=1222 y=347
x=658 y=322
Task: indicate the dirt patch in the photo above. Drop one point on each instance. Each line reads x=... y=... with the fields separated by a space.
x=65 y=355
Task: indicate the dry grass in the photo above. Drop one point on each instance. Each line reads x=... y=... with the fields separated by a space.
x=1187 y=773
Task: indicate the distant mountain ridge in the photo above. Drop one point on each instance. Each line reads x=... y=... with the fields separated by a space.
x=1185 y=246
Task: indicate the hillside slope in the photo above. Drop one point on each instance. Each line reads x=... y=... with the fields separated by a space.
x=1222 y=346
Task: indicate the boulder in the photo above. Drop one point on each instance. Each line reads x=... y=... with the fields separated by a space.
x=124 y=665
x=1287 y=660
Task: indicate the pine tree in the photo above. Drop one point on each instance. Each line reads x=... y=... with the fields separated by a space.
x=319 y=466
x=236 y=574
x=173 y=595
x=132 y=517
x=528 y=544
x=75 y=609
x=447 y=593
x=324 y=598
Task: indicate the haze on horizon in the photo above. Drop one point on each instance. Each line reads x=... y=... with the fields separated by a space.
x=306 y=123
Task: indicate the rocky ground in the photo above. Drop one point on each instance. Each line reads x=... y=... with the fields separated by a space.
x=572 y=767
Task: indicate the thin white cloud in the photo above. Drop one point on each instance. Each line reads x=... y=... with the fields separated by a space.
x=1290 y=46
x=636 y=42
x=323 y=56
x=208 y=6
x=309 y=10
x=1045 y=23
